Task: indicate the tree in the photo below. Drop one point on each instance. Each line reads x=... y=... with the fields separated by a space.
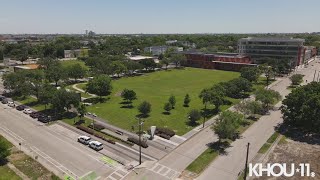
x=205 y=95
x=46 y=93
x=194 y=115
x=165 y=62
x=167 y=107
x=4 y=150
x=248 y=107
x=76 y=71
x=172 y=101
x=178 y=59
x=186 y=100
x=301 y=108
x=63 y=100
x=128 y=95
x=250 y=73
x=23 y=56
x=237 y=87
x=149 y=64
x=55 y=72
x=118 y=68
x=296 y=79
x=100 y=85
x=82 y=110
x=144 y=108
x=268 y=72
x=267 y=97
x=227 y=124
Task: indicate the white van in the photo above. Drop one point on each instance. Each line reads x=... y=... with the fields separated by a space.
x=96 y=145
x=84 y=139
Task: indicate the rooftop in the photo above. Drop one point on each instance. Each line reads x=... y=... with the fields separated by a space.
x=138 y=58
x=273 y=39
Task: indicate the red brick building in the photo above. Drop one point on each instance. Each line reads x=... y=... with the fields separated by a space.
x=222 y=61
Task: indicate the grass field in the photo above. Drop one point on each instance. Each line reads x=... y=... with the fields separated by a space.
x=156 y=88
x=7 y=174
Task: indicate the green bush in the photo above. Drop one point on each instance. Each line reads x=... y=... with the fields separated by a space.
x=136 y=141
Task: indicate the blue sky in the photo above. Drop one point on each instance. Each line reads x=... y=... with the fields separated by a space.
x=159 y=16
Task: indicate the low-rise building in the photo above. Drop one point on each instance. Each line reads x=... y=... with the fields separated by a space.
x=157 y=50
x=222 y=61
x=83 y=52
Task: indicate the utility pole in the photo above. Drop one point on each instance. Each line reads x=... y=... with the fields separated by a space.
x=140 y=124
x=246 y=165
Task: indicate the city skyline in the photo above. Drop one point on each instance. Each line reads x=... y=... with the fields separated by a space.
x=158 y=17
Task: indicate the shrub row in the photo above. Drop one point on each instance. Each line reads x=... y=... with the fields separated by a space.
x=91 y=131
x=127 y=142
x=96 y=126
x=136 y=141
x=164 y=136
x=163 y=132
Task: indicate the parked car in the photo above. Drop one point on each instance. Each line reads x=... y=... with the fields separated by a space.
x=96 y=145
x=27 y=111
x=4 y=101
x=2 y=98
x=84 y=139
x=35 y=115
x=44 y=118
x=21 y=107
x=11 y=104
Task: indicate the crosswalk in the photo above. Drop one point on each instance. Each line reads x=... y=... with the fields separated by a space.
x=164 y=171
x=119 y=174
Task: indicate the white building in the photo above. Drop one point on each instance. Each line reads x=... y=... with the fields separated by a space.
x=157 y=50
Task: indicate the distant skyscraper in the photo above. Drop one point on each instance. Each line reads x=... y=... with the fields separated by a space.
x=86 y=32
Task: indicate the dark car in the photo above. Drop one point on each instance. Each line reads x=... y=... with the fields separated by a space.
x=4 y=101
x=35 y=115
x=2 y=98
x=21 y=107
x=44 y=119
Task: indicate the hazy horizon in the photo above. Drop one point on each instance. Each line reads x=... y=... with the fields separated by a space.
x=159 y=17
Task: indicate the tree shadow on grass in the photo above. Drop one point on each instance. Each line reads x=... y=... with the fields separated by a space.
x=166 y=113
x=142 y=115
x=129 y=106
x=192 y=124
x=220 y=147
x=298 y=134
x=3 y=161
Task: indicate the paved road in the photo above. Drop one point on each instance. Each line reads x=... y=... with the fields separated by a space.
x=228 y=166
x=53 y=148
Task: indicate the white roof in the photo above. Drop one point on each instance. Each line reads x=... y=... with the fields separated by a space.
x=138 y=58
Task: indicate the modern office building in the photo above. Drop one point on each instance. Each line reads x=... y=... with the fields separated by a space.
x=277 y=48
x=157 y=50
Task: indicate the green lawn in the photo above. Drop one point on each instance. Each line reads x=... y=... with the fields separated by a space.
x=269 y=142
x=202 y=161
x=156 y=88
x=7 y=174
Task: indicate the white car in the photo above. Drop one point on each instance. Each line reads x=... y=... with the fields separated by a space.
x=27 y=111
x=11 y=104
x=96 y=145
x=84 y=139
x=94 y=115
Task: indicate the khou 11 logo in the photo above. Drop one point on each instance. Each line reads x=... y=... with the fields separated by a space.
x=303 y=169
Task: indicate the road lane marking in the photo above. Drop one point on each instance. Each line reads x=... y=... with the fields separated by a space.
x=149 y=157
x=14 y=135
